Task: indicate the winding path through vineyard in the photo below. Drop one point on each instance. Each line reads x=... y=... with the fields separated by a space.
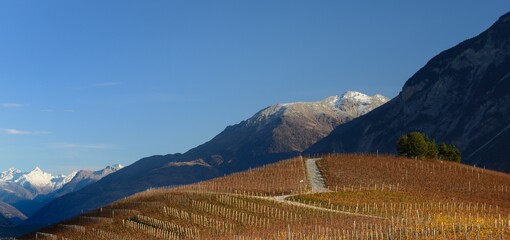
x=317 y=185
x=315 y=177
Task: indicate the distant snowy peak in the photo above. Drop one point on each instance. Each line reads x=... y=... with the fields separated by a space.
x=36 y=178
x=39 y=182
x=9 y=174
x=354 y=97
x=83 y=178
x=360 y=97
x=62 y=180
x=109 y=169
x=350 y=103
x=356 y=102
x=116 y=166
x=112 y=168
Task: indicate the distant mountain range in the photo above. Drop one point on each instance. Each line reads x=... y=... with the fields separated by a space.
x=16 y=185
x=274 y=133
x=461 y=96
x=28 y=191
x=84 y=178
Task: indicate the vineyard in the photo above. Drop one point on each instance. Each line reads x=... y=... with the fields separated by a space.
x=370 y=197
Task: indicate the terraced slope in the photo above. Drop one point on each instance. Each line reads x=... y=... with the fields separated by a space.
x=370 y=197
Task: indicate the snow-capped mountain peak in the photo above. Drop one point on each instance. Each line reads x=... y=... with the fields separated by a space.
x=9 y=174
x=115 y=167
x=38 y=182
x=356 y=97
x=61 y=180
x=357 y=103
x=109 y=169
x=350 y=103
x=298 y=125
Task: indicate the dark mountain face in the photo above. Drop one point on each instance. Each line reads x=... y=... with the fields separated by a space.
x=4 y=222
x=9 y=215
x=277 y=132
x=461 y=96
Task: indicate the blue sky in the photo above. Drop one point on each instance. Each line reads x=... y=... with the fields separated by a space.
x=89 y=83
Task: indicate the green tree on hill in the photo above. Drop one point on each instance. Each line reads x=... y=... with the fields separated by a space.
x=416 y=145
x=449 y=152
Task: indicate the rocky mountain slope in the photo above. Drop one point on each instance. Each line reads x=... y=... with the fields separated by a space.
x=274 y=133
x=281 y=131
x=461 y=96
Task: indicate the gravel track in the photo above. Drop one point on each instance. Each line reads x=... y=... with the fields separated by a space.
x=315 y=177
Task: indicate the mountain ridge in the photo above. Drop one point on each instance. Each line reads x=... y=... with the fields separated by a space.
x=38 y=182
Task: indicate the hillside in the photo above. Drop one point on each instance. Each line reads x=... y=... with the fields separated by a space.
x=277 y=132
x=373 y=197
x=461 y=96
x=4 y=222
x=9 y=215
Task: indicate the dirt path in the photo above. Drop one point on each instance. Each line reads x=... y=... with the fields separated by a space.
x=315 y=177
x=317 y=185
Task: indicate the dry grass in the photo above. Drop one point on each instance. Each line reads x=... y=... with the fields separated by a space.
x=430 y=180
x=407 y=199
x=423 y=198
x=284 y=177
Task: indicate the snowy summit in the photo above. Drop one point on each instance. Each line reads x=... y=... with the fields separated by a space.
x=351 y=104
x=38 y=182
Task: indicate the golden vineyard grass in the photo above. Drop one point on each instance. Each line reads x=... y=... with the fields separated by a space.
x=371 y=197
x=427 y=198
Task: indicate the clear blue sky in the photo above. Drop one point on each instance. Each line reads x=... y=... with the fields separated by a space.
x=89 y=83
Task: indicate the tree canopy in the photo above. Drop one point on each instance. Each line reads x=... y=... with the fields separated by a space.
x=449 y=152
x=418 y=145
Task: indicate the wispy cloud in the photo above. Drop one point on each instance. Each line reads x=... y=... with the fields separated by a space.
x=107 y=84
x=11 y=105
x=15 y=132
x=23 y=132
x=81 y=146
